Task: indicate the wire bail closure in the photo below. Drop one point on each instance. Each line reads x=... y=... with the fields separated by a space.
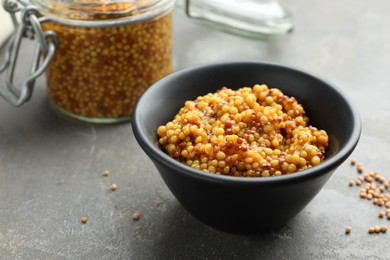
x=29 y=27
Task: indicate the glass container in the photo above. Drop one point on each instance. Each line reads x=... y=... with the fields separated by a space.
x=255 y=19
x=109 y=52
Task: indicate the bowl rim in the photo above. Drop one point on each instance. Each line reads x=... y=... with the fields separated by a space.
x=324 y=167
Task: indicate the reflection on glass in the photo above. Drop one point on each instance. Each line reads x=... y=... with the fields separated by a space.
x=259 y=19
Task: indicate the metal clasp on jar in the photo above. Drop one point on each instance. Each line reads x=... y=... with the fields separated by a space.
x=28 y=28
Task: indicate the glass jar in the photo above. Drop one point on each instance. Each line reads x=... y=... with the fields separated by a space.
x=255 y=19
x=109 y=52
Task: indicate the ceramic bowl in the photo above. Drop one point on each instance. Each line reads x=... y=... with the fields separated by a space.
x=242 y=204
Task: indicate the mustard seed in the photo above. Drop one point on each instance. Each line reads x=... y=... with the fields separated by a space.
x=114 y=186
x=381 y=214
x=353 y=161
x=383 y=229
x=368 y=179
x=348 y=230
x=106 y=173
x=377 y=229
x=136 y=216
x=371 y=230
x=84 y=220
x=360 y=168
x=351 y=183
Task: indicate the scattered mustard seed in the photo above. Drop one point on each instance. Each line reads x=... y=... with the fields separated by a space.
x=348 y=230
x=114 y=186
x=106 y=173
x=377 y=229
x=136 y=216
x=353 y=161
x=368 y=179
x=374 y=189
x=360 y=168
x=380 y=179
x=84 y=220
x=383 y=229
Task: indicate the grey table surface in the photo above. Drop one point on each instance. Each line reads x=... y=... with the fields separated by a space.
x=50 y=167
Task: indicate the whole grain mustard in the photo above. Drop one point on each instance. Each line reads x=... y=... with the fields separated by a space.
x=252 y=132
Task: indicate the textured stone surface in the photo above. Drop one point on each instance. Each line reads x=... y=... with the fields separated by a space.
x=50 y=167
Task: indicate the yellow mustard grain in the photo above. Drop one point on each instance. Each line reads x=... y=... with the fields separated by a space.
x=353 y=161
x=360 y=168
x=377 y=229
x=348 y=230
x=383 y=228
x=114 y=187
x=136 y=216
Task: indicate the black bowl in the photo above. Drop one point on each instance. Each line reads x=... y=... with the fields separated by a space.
x=241 y=204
